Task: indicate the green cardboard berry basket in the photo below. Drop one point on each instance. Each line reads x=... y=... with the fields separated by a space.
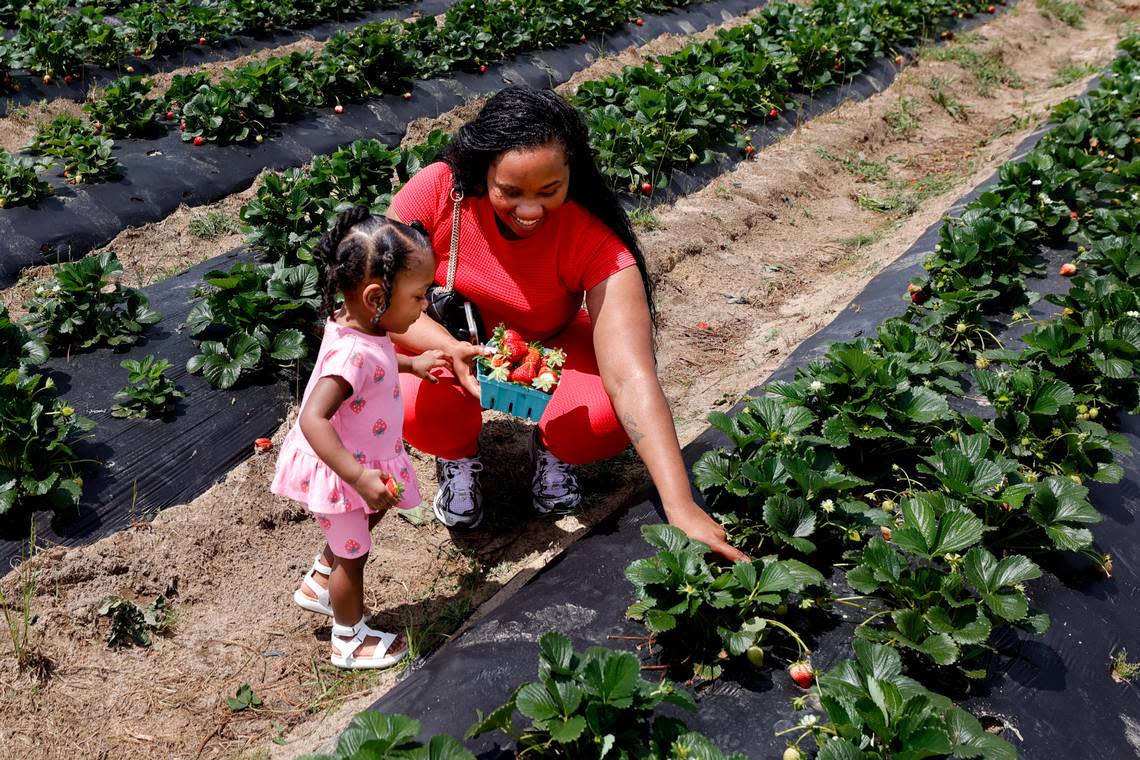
x=511 y=398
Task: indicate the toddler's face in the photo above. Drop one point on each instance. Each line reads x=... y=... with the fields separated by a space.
x=409 y=293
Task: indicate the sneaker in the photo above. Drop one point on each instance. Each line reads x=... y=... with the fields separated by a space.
x=459 y=501
x=555 y=487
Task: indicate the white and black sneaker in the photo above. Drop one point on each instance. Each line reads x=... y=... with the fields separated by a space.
x=459 y=501
x=555 y=487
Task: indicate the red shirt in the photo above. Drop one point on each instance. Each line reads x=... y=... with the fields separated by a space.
x=534 y=285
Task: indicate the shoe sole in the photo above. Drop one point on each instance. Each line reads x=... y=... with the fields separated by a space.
x=443 y=516
x=367 y=663
x=306 y=602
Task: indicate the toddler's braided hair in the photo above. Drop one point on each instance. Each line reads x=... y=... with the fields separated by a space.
x=362 y=246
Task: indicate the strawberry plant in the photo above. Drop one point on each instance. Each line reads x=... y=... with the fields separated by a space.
x=592 y=704
x=19 y=180
x=263 y=311
x=125 y=110
x=150 y=393
x=19 y=349
x=376 y=736
x=37 y=430
x=131 y=624
x=711 y=613
x=86 y=155
x=86 y=306
x=874 y=712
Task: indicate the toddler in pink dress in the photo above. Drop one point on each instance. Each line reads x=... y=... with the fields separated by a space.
x=344 y=459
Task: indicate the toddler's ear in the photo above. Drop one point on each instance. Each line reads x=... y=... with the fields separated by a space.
x=373 y=297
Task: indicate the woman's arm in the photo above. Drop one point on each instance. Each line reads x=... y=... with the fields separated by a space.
x=624 y=347
x=326 y=397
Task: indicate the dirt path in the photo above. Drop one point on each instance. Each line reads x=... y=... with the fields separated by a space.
x=797 y=232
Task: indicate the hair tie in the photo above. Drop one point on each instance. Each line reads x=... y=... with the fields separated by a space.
x=418 y=226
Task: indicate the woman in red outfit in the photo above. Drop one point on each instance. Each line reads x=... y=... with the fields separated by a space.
x=541 y=233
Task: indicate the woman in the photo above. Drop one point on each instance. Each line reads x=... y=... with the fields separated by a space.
x=540 y=231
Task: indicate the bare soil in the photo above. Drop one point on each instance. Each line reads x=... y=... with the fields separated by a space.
x=764 y=256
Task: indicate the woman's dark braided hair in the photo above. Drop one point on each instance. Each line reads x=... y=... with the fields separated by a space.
x=525 y=117
x=362 y=245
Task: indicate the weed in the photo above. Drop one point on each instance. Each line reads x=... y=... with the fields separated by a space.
x=858 y=164
x=243 y=699
x=938 y=93
x=1124 y=671
x=903 y=117
x=643 y=218
x=212 y=224
x=1071 y=72
x=1066 y=12
x=19 y=621
x=862 y=240
x=132 y=624
x=907 y=199
x=988 y=68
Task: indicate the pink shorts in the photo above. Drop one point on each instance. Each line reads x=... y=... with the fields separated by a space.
x=347 y=532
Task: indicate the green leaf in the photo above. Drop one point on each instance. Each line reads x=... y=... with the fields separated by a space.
x=537 y=703
x=792 y=520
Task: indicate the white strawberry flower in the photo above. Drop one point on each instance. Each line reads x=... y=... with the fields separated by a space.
x=1134 y=314
x=816 y=386
x=827 y=505
x=809 y=720
x=1036 y=183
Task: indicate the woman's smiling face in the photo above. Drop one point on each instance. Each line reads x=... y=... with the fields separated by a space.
x=525 y=184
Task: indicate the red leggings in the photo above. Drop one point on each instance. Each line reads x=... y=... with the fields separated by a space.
x=579 y=425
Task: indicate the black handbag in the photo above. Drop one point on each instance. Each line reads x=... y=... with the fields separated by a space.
x=446 y=305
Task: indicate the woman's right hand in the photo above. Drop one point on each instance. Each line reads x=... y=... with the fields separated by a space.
x=371 y=486
x=463 y=356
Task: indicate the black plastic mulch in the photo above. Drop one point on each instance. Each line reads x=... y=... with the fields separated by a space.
x=1053 y=692
x=161 y=174
x=32 y=88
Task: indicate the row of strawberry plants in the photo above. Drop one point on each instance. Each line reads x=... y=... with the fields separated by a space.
x=369 y=61
x=54 y=38
x=864 y=441
x=672 y=111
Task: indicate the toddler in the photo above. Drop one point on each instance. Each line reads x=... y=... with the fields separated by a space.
x=345 y=458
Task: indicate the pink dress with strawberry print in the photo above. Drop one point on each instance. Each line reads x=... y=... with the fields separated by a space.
x=369 y=423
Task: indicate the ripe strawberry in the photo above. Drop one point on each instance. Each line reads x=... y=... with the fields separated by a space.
x=407 y=96
x=702 y=325
x=749 y=149
x=1074 y=215
x=639 y=21
x=646 y=188
x=991 y=9
x=170 y=115
x=886 y=532
x=524 y=374
x=47 y=78
x=68 y=79
x=498 y=360
x=838 y=64
x=583 y=38
x=137 y=51
x=773 y=113
x=513 y=346
x=199 y=140
x=533 y=356
x=545 y=380
x=801 y=673
x=182 y=127
x=338 y=108
x=918 y=296
x=201 y=40
x=1068 y=269
x=899 y=60
x=482 y=68
x=262 y=444
x=395 y=489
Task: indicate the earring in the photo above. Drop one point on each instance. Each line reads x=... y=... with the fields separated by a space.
x=376 y=320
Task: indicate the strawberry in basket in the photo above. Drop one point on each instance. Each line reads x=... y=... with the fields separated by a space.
x=527 y=364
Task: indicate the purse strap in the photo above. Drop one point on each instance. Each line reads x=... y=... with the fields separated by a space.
x=453 y=256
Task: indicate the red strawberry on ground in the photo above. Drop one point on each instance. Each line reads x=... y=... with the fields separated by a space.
x=262 y=444
x=801 y=673
x=338 y=108
x=199 y=140
x=1068 y=269
x=773 y=113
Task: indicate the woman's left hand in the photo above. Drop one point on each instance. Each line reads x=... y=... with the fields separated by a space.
x=422 y=365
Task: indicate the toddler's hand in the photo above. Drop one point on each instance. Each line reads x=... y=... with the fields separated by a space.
x=423 y=364
x=373 y=488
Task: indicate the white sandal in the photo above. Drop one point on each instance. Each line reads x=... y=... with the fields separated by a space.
x=356 y=634
x=321 y=604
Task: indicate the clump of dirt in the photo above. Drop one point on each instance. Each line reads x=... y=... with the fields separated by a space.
x=746 y=269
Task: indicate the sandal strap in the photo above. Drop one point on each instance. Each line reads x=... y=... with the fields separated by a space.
x=358 y=634
x=320 y=567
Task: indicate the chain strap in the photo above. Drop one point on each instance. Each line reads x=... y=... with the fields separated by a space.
x=453 y=257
